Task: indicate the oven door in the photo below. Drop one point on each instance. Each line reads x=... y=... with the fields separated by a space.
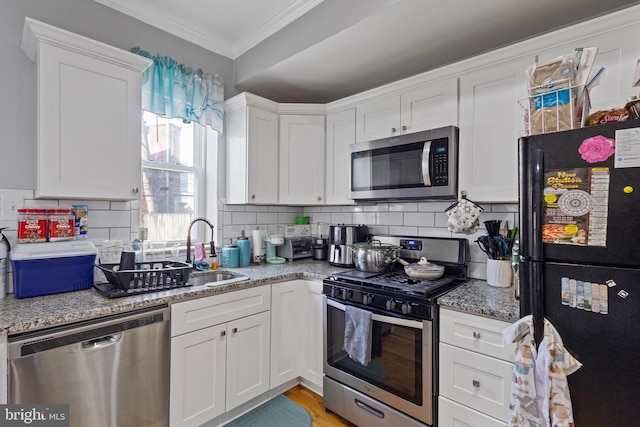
x=400 y=371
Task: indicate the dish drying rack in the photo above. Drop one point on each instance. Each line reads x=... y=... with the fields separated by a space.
x=553 y=108
x=153 y=276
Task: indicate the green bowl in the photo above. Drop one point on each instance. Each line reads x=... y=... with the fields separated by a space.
x=303 y=219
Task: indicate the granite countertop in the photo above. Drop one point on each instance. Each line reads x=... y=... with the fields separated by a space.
x=21 y=315
x=476 y=297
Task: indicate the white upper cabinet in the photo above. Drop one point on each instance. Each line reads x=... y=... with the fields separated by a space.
x=618 y=53
x=425 y=107
x=490 y=124
x=341 y=132
x=252 y=150
x=88 y=115
x=301 y=159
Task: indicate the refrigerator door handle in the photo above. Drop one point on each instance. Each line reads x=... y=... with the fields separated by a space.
x=537 y=194
x=537 y=277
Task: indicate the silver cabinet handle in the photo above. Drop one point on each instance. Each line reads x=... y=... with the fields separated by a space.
x=253 y=196
x=223 y=333
x=135 y=190
x=476 y=383
x=404 y=127
x=476 y=335
x=319 y=198
x=394 y=130
x=234 y=330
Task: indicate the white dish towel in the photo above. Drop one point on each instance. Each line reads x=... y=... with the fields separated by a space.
x=357 y=334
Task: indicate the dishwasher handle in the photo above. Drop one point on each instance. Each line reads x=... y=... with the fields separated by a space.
x=99 y=343
x=89 y=335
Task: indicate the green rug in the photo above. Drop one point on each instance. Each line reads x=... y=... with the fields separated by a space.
x=278 y=412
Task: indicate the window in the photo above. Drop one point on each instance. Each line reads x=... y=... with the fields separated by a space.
x=173 y=173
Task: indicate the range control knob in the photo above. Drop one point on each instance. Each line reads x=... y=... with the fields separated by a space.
x=406 y=308
x=366 y=299
x=335 y=292
x=390 y=304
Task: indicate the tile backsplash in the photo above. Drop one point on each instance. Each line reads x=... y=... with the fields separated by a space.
x=109 y=220
x=402 y=218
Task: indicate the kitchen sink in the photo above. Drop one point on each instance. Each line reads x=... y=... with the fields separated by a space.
x=217 y=278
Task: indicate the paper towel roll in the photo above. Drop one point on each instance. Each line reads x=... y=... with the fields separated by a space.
x=257 y=243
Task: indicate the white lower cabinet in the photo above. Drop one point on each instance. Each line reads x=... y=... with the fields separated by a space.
x=219 y=354
x=312 y=335
x=475 y=369
x=452 y=414
x=296 y=335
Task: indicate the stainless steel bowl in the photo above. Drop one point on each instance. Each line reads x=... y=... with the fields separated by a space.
x=374 y=257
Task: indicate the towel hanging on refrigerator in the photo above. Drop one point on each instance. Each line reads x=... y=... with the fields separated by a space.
x=357 y=334
x=539 y=389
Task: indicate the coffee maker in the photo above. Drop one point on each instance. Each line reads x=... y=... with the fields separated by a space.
x=340 y=237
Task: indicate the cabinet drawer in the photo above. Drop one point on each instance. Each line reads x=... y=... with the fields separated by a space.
x=453 y=414
x=480 y=382
x=204 y=312
x=475 y=333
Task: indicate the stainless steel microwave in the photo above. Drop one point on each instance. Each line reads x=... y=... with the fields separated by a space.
x=421 y=165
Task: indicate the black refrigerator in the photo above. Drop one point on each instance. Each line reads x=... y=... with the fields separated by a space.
x=579 y=195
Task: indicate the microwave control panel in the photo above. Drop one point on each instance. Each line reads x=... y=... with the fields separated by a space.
x=439 y=162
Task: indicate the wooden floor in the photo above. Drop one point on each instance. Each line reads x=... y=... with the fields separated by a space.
x=313 y=404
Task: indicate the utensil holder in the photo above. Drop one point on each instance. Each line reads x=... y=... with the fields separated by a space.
x=499 y=273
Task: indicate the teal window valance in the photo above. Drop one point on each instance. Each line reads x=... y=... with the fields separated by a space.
x=173 y=90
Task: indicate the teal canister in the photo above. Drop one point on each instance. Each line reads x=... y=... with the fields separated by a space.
x=230 y=255
x=244 y=247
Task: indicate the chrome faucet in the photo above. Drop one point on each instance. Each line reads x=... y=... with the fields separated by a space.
x=189 y=238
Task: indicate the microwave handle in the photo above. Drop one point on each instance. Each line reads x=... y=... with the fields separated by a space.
x=426 y=172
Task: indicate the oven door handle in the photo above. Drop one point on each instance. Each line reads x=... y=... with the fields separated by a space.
x=415 y=324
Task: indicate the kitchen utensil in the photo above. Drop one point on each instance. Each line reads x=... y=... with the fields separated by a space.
x=422 y=270
x=374 y=256
x=493 y=227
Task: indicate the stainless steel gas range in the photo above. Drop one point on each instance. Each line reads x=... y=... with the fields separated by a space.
x=398 y=387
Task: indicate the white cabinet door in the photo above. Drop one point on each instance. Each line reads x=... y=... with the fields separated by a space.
x=453 y=414
x=475 y=333
x=301 y=159
x=377 y=119
x=490 y=124
x=286 y=332
x=341 y=132
x=198 y=371
x=262 y=157
x=248 y=343
x=618 y=53
x=429 y=107
x=425 y=107
x=88 y=117
x=252 y=154
x=480 y=382
x=312 y=334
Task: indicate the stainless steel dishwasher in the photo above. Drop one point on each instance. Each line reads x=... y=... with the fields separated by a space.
x=113 y=372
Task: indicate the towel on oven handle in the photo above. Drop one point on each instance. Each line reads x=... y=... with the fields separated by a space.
x=357 y=334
